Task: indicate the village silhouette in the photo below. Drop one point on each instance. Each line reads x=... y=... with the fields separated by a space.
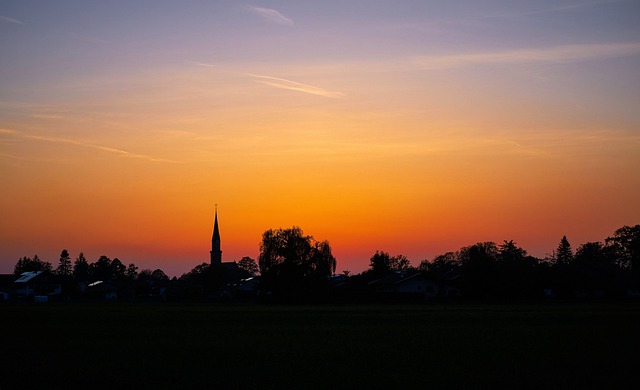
x=485 y=316
x=294 y=267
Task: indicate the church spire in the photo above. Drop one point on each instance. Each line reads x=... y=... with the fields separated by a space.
x=216 y=253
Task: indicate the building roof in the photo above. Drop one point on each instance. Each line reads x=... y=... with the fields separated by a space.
x=28 y=276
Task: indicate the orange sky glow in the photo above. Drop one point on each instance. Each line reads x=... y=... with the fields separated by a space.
x=417 y=131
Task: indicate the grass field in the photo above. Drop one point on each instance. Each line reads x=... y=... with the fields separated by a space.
x=369 y=346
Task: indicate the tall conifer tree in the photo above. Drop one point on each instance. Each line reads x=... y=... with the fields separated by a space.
x=564 y=254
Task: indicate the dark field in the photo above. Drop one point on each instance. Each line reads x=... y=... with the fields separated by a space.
x=369 y=346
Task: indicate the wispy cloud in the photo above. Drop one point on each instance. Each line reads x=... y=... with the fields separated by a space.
x=7 y=131
x=271 y=15
x=522 y=149
x=587 y=4
x=537 y=8
x=281 y=83
x=5 y=19
x=119 y=152
x=47 y=116
x=204 y=64
x=554 y=54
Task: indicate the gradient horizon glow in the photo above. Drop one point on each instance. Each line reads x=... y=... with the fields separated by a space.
x=413 y=127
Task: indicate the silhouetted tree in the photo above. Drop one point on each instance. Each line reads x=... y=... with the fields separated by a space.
x=509 y=252
x=400 y=262
x=159 y=275
x=145 y=275
x=22 y=265
x=201 y=281
x=26 y=264
x=592 y=254
x=322 y=261
x=118 y=270
x=132 y=272
x=292 y=262
x=196 y=272
x=150 y=283
x=283 y=247
x=516 y=272
x=440 y=265
x=564 y=254
x=101 y=269
x=625 y=246
x=81 y=268
x=424 y=265
x=382 y=263
x=65 y=267
x=593 y=268
x=249 y=266
x=478 y=266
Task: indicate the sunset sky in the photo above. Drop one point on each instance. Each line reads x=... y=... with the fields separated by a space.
x=414 y=127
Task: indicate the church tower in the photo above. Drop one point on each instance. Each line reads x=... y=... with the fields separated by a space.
x=216 y=253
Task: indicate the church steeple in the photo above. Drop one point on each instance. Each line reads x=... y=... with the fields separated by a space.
x=216 y=253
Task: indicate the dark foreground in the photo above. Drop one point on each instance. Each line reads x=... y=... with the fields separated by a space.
x=225 y=346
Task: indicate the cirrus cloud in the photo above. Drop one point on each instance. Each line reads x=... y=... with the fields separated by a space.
x=6 y=19
x=290 y=85
x=554 y=54
x=107 y=149
x=271 y=15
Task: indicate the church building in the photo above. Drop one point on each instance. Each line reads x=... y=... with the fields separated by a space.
x=216 y=253
x=229 y=269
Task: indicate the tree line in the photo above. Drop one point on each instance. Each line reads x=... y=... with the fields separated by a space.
x=487 y=269
x=81 y=270
x=292 y=263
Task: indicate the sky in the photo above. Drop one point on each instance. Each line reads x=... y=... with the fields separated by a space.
x=413 y=127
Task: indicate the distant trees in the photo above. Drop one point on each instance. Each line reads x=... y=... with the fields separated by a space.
x=440 y=265
x=208 y=280
x=478 y=266
x=564 y=254
x=506 y=270
x=517 y=272
x=196 y=272
x=249 y=266
x=71 y=275
x=199 y=282
x=510 y=253
x=593 y=269
x=590 y=254
x=487 y=269
x=101 y=269
x=625 y=247
x=118 y=270
x=64 y=265
x=159 y=275
x=292 y=262
x=132 y=272
x=81 y=268
x=382 y=263
x=27 y=264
